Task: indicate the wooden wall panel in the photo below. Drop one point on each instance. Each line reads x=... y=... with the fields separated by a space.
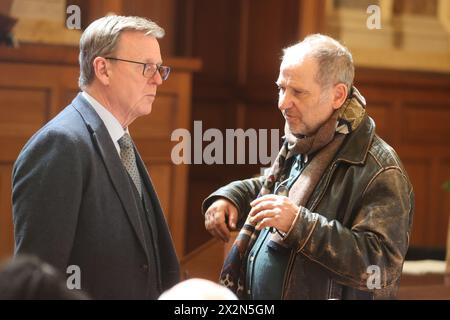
x=6 y=226
x=444 y=199
x=380 y=111
x=426 y=123
x=17 y=127
x=267 y=27
x=162 y=178
x=419 y=171
x=204 y=262
x=34 y=104
x=161 y=123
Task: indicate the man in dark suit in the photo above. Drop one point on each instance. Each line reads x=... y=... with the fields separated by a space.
x=81 y=193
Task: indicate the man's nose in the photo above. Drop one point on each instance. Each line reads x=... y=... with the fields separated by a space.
x=156 y=79
x=284 y=101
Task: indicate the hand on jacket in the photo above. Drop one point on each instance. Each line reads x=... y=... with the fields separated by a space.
x=216 y=219
x=273 y=211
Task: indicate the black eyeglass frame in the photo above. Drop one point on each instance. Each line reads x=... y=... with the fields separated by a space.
x=164 y=71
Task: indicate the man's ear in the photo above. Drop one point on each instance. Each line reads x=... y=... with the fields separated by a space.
x=101 y=71
x=340 y=93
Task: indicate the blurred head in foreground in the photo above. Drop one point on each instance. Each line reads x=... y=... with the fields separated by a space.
x=29 y=278
x=198 y=289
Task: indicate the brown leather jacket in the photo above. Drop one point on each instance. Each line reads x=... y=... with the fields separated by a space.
x=355 y=226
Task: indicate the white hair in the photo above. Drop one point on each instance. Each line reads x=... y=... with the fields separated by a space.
x=101 y=37
x=198 y=289
x=335 y=62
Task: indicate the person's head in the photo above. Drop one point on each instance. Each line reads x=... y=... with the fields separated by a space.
x=198 y=289
x=127 y=89
x=29 y=278
x=315 y=78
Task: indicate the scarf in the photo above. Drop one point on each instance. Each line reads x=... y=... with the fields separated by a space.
x=323 y=144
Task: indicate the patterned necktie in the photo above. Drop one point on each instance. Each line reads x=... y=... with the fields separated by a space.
x=129 y=160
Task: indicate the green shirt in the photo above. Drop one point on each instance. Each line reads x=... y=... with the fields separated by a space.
x=267 y=261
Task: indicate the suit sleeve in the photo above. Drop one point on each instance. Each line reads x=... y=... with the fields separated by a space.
x=46 y=195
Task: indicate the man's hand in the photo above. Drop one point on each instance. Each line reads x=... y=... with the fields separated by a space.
x=273 y=211
x=215 y=219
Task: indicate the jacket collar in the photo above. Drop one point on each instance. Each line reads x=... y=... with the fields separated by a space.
x=357 y=143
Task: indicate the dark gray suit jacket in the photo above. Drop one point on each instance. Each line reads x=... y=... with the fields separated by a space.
x=73 y=205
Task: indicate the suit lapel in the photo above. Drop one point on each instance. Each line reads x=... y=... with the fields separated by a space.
x=116 y=171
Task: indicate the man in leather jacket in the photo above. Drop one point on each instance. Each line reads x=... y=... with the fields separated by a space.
x=332 y=217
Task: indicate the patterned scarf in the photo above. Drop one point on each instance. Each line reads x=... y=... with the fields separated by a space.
x=326 y=141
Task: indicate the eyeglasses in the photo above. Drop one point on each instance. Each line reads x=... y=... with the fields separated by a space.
x=149 y=69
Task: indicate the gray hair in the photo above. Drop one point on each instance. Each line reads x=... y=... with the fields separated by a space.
x=101 y=37
x=335 y=62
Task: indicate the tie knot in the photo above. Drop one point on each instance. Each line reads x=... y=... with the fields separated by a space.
x=125 y=142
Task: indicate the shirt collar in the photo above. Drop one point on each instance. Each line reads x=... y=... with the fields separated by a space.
x=113 y=126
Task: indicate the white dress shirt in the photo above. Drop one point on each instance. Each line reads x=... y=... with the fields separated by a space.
x=113 y=126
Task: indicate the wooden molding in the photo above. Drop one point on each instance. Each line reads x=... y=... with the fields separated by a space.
x=68 y=55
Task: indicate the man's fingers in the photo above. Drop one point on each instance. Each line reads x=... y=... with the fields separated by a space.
x=215 y=224
x=208 y=221
x=262 y=205
x=220 y=218
x=262 y=215
x=215 y=231
x=232 y=217
x=222 y=231
x=264 y=198
x=266 y=222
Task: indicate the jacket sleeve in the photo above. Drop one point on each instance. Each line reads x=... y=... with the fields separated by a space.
x=46 y=196
x=376 y=242
x=240 y=192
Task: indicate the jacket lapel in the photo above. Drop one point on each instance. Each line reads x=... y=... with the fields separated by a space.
x=116 y=171
x=354 y=151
